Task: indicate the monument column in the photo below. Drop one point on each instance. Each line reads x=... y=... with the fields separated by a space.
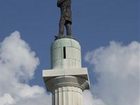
x=66 y=79
x=68 y=96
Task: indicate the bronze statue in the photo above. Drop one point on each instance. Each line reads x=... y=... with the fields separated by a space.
x=66 y=18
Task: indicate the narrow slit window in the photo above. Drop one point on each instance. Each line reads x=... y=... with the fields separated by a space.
x=64 y=52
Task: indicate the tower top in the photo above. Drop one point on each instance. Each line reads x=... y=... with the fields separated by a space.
x=65 y=19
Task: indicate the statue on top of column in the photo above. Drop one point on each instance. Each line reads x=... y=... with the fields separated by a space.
x=65 y=18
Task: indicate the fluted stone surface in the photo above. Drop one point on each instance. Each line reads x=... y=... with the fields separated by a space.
x=68 y=96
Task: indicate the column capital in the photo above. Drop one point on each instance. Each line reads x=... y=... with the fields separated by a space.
x=64 y=81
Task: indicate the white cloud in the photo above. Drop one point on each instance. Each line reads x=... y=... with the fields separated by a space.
x=116 y=65
x=15 y=53
x=6 y=99
x=89 y=99
x=118 y=70
x=17 y=66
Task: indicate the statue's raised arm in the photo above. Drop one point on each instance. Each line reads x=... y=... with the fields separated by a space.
x=65 y=18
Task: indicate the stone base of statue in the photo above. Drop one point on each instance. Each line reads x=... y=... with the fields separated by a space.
x=63 y=36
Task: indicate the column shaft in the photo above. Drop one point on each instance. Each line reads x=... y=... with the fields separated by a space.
x=68 y=96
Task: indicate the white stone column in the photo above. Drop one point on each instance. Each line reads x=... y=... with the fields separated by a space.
x=68 y=96
x=66 y=79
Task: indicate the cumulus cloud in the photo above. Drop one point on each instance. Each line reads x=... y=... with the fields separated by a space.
x=117 y=68
x=90 y=99
x=6 y=99
x=17 y=66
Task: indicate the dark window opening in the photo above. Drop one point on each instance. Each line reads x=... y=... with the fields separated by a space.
x=64 y=52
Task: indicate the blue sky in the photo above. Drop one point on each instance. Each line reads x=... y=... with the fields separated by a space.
x=95 y=24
